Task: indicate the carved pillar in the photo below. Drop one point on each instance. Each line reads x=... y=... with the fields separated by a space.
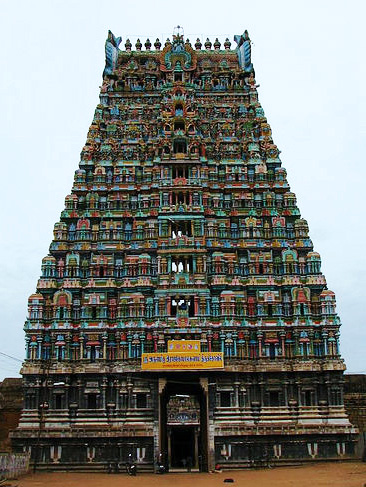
x=208 y=306
x=296 y=337
x=236 y=393
x=103 y=387
x=118 y=340
x=39 y=347
x=170 y=447
x=129 y=392
x=235 y=348
x=142 y=342
x=261 y=387
x=129 y=341
x=196 y=450
x=259 y=335
x=209 y=392
x=298 y=386
x=27 y=340
x=81 y=342
x=117 y=390
x=325 y=342
x=104 y=338
x=80 y=394
x=160 y=428
x=285 y=392
x=282 y=336
x=194 y=264
x=196 y=306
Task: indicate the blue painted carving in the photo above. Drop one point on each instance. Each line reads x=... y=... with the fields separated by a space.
x=244 y=52
x=178 y=53
x=111 y=52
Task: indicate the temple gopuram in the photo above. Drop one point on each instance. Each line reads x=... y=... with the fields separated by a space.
x=181 y=313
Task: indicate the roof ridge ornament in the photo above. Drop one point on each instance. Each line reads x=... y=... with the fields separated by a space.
x=178 y=33
x=244 y=51
x=178 y=55
x=111 y=52
x=178 y=39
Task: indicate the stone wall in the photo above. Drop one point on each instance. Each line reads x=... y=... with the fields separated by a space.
x=11 y=401
x=355 y=399
x=355 y=403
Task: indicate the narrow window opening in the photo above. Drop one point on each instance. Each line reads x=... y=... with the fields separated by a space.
x=173 y=307
x=307 y=398
x=58 y=401
x=59 y=353
x=92 y=353
x=182 y=264
x=272 y=351
x=141 y=400
x=180 y=228
x=179 y=125
x=182 y=307
x=225 y=399
x=180 y=147
x=92 y=401
x=274 y=398
x=191 y=306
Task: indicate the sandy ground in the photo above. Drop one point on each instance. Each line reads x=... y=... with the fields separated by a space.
x=323 y=474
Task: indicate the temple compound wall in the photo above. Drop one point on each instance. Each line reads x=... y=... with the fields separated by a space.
x=11 y=403
x=181 y=231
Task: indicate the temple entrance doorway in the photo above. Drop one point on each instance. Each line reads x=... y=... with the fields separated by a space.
x=183 y=452
x=183 y=426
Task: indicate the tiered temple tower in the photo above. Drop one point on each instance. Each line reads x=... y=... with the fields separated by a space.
x=181 y=226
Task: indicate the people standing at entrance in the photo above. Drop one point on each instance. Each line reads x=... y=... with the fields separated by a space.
x=189 y=464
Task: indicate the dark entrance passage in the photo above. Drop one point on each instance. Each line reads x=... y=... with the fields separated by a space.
x=183 y=453
x=183 y=422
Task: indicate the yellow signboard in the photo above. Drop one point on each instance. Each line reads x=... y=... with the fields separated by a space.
x=182 y=361
x=190 y=346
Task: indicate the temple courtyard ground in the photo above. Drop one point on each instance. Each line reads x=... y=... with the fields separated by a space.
x=347 y=474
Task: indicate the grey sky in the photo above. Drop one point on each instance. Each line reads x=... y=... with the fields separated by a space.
x=309 y=58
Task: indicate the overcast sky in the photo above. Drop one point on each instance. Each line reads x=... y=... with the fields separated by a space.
x=309 y=58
